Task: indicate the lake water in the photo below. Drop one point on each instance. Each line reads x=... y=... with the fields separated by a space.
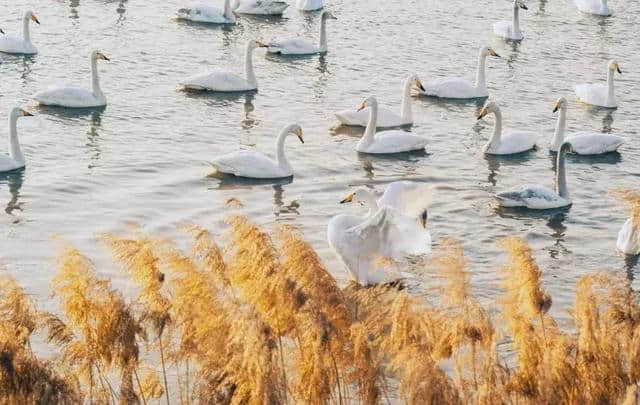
x=144 y=159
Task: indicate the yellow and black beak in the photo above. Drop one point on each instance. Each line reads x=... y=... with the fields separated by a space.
x=483 y=113
x=618 y=69
x=101 y=56
x=35 y=19
x=362 y=106
x=494 y=53
x=556 y=108
x=420 y=86
x=348 y=198
x=299 y=135
x=424 y=218
x=25 y=113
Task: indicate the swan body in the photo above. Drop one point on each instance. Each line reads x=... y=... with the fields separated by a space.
x=459 y=88
x=223 y=81
x=15 y=159
x=385 y=141
x=309 y=5
x=386 y=117
x=260 y=7
x=598 y=94
x=206 y=14
x=511 y=29
x=77 y=97
x=256 y=165
x=537 y=197
x=506 y=142
x=20 y=45
x=629 y=238
x=582 y=143
x=298 y=46
x=597 y=7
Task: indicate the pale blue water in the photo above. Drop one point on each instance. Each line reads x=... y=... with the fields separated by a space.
x=144 y=158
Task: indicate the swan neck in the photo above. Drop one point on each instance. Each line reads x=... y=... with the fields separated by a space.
x=497 y=129
x=610 y=85
x=561 y=175
x=561 y=129
x=248 y=67
x=283 y=162
x=516 y=18
x=370 y=131
x=371 y=203
x=95 y=79
x=14 y=144
x=406 y=111
x=323 y=35
x=481 y=72
x=26 y=33
x=228 y=12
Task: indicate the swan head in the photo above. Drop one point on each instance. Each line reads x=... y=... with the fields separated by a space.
x=96 y=55
x=17 y=112
x=327 y=15
x=253 y=44
x=361 y=195
x=520 y=3
x=488 y=51
x=415 y=81
x=296 y=130
x=368 y=102
x=490 y=107
x=613 y=65
x=30 y=16
x=561 y=104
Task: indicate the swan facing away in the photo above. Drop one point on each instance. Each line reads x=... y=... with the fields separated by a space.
x=505 y=142
x=20 y=45
x=77 y=97
x=597 y=7
x=386 y=117
x=385 y=141
x=256 y=165
x=297 y=46
x=537 y=197
x=222 y=81
x=599 y=94
x=583 y=143
x=459 y=88
x=207 y=14
x=511 y=29
x=629 y=238
x=260 y=7
x=15 y=159
x=394 y=227
x=309 y=5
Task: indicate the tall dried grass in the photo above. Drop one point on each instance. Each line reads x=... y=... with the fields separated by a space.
x=262 y=321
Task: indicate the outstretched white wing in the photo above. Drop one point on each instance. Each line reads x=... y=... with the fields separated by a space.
x=409 y=198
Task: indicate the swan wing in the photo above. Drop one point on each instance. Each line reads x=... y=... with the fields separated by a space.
x=515 y=141
x=7 y=164
x=595 y=94
x=394 y=142
x=218 y=81
x=532 y=196
x=503 y=29
x=629 y=238
x=386 y=118
x=202 y=13
x=292 y=47
x=251 y=164
x=15 y=44
x=594 y=143
x=70 y=96
x=261 y=7
x=452 y=87
x=409 y=198
x=309 y=5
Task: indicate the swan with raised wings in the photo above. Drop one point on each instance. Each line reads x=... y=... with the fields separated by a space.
x=505 y=142
x=309 y=5
x=77 y=97
x=459 y=88
x=20 y=45
x=598 y=94
x=386 y=117
x=15 y=159
x=385 y=141
x=511 y=29
x=538 y=197
x=256 y=165
x=583 y=143
x=223 y=81
x=597 y=7
x=298 y=46
x=260 y=7
x=207 y=14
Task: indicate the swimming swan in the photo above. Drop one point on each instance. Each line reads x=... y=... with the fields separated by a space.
x=221 y=81
x=298 y=46
x=385 y=141
x=629 y=238
x=597 y=7
x=511 y=29
x=386 y=117
x=598 y=94
x=15 y=159
x=537 y=197
x=583 y=143
x=459 y=88
x=207 y=14
x=77 y=97
x=20 y=45
x=256 y=165
x=309 y=5
x=260 y=7
x=505 y=142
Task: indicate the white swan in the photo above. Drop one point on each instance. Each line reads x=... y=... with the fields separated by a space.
x=221 y=81
x=459 y=88
x=511 y=29
x=77 y=97
x=537 y=197
x=15 y=159
x=207 y=14
x=583 y=143
x=309 y=5
x=260 y=7
x=597 y=7
x=385 y=141
x=388 y=231
x=20 y=45
x=298 y=46
x=386 y=117
x=505 y=142
x=629 y=238
x=598 y=94
x=256 y=165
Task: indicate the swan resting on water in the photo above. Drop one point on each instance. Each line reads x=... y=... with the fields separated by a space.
x=206 y=14
x=256 y=165
x=629 y=238
x=505 y=142
x=309 y=5
x=298 y=46
x=15 y=159
x=260 y=7
x=15 y=44
x=511 y=29
x=597 y=7
x=598 y=94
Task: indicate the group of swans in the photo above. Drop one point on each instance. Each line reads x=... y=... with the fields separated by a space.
x=204 y=13
x=20 y=45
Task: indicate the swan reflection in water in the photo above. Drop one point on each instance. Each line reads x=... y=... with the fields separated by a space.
x=14 y=180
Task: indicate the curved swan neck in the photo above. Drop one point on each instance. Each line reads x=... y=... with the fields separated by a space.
x=282 y=160
x=248 y=66
x=561 y=129
x=516 y=17
x=497 y=129
x=14 y=144
x=370 y=201
x=95 y=79
x=370 y=131
x=26 y=34
x=481 y=72
x=561 y=175
x=406 y=110
x=610 y=86
x=323 y=35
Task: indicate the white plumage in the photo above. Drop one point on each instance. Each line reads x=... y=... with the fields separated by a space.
x=15 y=159
x=204 y=13
x=260 y=7
x=309 y=5
x=299 y=46
x=14 y=44
x=506 y=142
x=629 y=238
x=597 y=7
x=511 y=29
x=598 y=94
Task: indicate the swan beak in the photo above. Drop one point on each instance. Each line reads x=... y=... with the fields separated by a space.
x=362 y=106
x=1 y=32
x=348 y=198
x=423 y=219
x=299 y=135
x=333 y=17
x=25 y=113
x=262 y=44
x=493 y=53
x=483 y=113
x=618 y=69
x=35 y=19
x=556 y=108
x=101 y=56
x=524 y=6
x=420 y=86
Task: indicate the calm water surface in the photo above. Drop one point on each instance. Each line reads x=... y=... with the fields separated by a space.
x=144 y=158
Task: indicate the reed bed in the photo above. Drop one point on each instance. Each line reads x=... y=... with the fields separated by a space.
x=261 y=320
